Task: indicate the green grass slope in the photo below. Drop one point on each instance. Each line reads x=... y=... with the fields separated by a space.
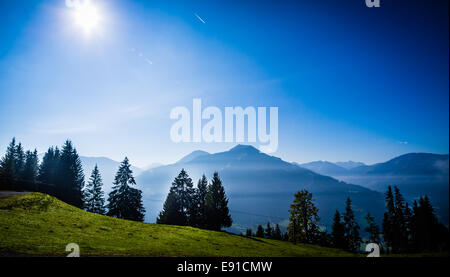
x=38 y=224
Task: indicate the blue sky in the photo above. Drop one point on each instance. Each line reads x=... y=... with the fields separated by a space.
x=351 y=83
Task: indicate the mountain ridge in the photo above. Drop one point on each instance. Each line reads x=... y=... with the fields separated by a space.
x=349 y=164
x=415 y=174
x=257 y=183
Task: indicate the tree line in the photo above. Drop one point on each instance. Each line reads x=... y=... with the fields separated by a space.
x=415 y=229
x=269 y=232
x=205 y=206
x=404 y=230
x=61 y=174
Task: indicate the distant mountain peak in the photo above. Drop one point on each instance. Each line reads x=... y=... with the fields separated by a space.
x=244 y=148
x=349 y=164
x=193 y=155
x=325 y=168
x=419 y=164
x=422 y=155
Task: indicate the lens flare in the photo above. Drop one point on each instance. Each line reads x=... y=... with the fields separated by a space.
x=86 y=16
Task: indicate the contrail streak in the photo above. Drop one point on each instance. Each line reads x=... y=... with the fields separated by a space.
x=199 y=18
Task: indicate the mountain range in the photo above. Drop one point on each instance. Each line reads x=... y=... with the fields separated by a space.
x=416 y=174
x=260 y=187
x=349 y=164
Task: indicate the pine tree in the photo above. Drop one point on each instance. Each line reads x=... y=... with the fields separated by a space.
x=424 y=220
x=19 y=159
x=351 y=228
x=408 y=227
x=427 y=233
x=217 y=212
x=249 y=233
x=184 y=190
x=396 y=222
x=198 y=211
x=400 y=221
x=259 y=232
x=202 y=192
x=70 y=176
x=94 y=200
x=180 y=205
x=277 y=232
x=372 y=229
x=124 y=201
x=31 y=167
x=8 y=164
x=322 y=238
x=268 y=233
x=49 y=166
x=338 y=232
x=388 y=220
x=171 y=213
x=303 y=221
x=415 y=225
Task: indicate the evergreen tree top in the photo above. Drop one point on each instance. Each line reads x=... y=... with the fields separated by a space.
x=67 y=147
x=124 y=175
x=182 y=181
x=95 y=175
x=11 y=149
x=12 y=146
x=203 y=182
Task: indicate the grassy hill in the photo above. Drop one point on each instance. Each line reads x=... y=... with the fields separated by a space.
x=38 y=224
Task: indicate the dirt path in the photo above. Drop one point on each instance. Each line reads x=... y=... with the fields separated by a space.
x=4 y=194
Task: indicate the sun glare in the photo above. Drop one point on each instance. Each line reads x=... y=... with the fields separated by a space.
x=87 y=16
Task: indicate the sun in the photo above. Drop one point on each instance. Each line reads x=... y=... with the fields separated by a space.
x=86 y=16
